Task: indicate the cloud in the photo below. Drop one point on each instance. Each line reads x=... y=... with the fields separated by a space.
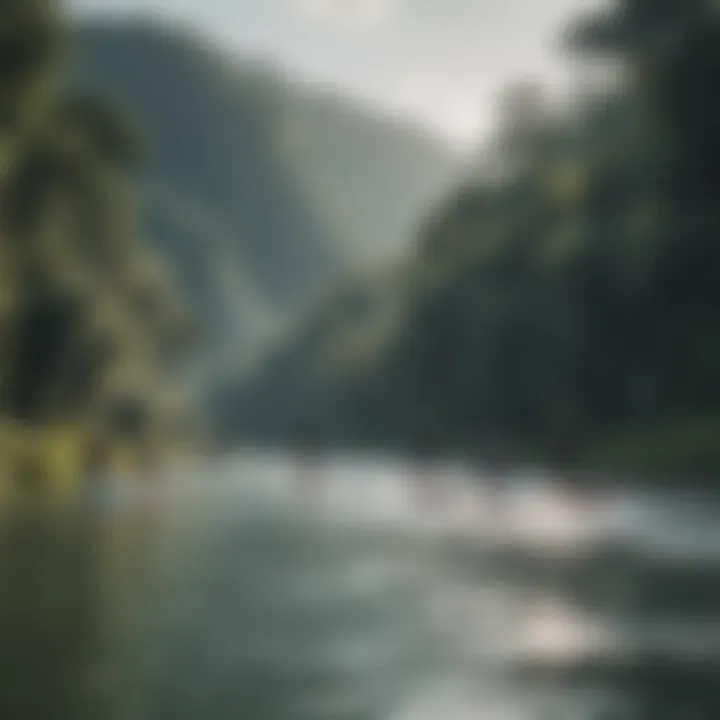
x=352 y=12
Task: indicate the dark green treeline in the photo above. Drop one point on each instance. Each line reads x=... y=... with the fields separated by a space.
x=564 y=303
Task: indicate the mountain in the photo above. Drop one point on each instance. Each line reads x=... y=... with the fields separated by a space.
x=260 y=193
x=561 y=306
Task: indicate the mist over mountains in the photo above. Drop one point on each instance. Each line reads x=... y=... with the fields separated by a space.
x=261 y=193
x=561 y=307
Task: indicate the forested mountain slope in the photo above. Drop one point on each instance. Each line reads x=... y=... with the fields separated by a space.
x=562 y=305
x=261 y=192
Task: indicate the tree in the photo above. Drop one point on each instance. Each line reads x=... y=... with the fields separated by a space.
x=85 y=300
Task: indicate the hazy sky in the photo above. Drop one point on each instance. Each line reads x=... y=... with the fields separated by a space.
x=440 y=61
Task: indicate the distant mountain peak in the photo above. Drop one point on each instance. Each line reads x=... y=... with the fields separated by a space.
x=305 y=184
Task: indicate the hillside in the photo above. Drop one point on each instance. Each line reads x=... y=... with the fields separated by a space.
x=260 y=194
x=562 y=310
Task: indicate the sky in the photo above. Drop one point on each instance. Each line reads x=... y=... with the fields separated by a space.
x=438 y=62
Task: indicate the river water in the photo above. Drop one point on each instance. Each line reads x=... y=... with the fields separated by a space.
x=256 y=589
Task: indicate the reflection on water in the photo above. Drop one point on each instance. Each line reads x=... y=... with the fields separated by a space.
x=236 y=593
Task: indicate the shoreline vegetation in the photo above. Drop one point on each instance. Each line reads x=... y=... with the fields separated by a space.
x=91 y=327
x=562 y=303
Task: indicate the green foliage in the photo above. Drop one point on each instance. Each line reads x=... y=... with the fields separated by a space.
x=570 y=299
x=102 y=128
x=31 y=41
x=85 y=326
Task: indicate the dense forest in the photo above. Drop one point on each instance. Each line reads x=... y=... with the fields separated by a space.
x=558 y=306
x=92 y=327
x=562 y=305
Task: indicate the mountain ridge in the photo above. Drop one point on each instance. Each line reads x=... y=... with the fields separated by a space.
x=301 y=185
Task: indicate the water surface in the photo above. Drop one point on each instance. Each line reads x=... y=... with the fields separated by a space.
x=245 y=590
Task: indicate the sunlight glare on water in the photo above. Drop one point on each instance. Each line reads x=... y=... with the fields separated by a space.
x=234 y=587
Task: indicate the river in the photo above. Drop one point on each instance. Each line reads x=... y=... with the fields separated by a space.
x=255 y=589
